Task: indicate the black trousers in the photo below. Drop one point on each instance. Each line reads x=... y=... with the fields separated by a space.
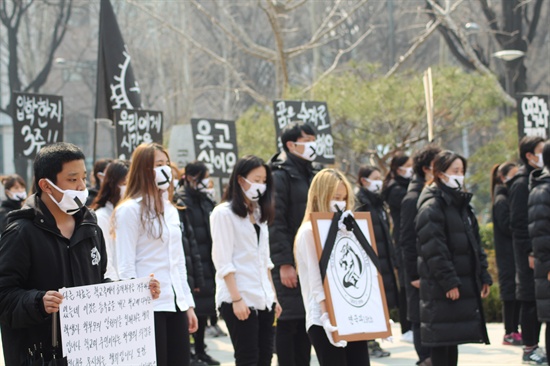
x=172 y=338
x=530 y=325
x=423 y=352
x=354 y=354
x=510 y=313
x=252 y=338
x=293 y=345
x=445 y=356
x=198 y=336
x=403 y=320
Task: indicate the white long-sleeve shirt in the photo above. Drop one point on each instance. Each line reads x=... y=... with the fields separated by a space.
x=310 y=275
x=104 y=222
x=139 y=253
x=235 y=249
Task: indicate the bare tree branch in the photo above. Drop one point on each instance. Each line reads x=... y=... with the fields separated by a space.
x=534 y=21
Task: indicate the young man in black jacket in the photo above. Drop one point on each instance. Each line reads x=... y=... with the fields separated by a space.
x=530 y=151
x=52 y=242
x=292 y=178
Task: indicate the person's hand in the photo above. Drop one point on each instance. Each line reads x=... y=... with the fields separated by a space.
x=52 y=300
x=341 y=225
x=278 y=309
x=154 y=286
x=415 y=283
x=197 y=289
x=453 y=294
x=288 y=276
x=329 y=329
x=531 y=261
x=548 y=276
x=241 y=310
x=485 y=290
x=193 y=322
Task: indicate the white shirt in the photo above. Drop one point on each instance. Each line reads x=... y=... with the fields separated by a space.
x=104 y=222
x=310 y=275
x=235 y=249
x=139 y=253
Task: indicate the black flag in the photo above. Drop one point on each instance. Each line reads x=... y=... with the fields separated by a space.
x=116 y=85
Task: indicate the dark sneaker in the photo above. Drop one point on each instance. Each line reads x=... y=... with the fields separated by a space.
x=534 y=357
x=512 y=339
x=207 y=359
x=426 y=362
x=376 y=351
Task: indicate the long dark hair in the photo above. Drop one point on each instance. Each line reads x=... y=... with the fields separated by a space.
x=234 y=193
x=364 y=172
x=443 y=161
x=195 y=170
x=497 y=173
x=10 y=180
x=115 y=172
x=398 y=160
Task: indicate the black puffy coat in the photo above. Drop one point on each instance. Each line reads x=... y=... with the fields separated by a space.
x=503 y=244
x=291 y=178
x=6 y=207
x=408 y=247
x=450 y=255
x=539 y=230
x=371 y=202
x=518 y=196
x=198 y=207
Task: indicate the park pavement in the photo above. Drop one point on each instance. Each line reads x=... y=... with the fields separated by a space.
x=402 y=353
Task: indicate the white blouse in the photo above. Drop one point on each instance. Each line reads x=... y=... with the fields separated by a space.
x=139 y=253
x=309 y=274
x=235 y=249
x=104 y=222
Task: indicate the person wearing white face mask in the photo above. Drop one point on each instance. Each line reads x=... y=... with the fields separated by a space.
x=52 y=242
x=148 y=240
x=110 y=193
x=292 y=174
x=193 y=195
x=15 y=190
x=369 y=199
x=329 y=189
x=394 y=190
x=451 y=263
x=245 y=294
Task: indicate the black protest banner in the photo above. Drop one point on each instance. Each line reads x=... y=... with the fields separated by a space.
x=37 y=121
x=116 y=85
x=215 y=145
x=136 y=127
x=533 y=115
x=315 y=113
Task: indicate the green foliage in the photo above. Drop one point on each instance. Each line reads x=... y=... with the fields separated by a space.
x=256 y=133
x=492 y=305
x=487 y=238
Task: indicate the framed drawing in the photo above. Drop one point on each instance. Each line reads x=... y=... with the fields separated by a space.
x=354 y=290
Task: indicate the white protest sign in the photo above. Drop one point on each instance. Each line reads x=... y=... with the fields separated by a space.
x=108 y=324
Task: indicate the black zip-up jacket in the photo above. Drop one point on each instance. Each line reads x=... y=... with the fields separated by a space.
x=504 y=247
x=6 y=207
x=35 y=258
x=539 y=230
x=450 y=255
x=518 y=195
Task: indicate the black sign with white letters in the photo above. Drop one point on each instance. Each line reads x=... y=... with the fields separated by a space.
x=215 y=145
x=533 y=115
x=134 y=127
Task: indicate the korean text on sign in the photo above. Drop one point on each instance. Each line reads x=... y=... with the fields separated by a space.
x=215 y=145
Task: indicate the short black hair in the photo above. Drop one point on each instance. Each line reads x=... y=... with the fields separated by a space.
x=528 y=144
x=546 y=154
x=293 y=131
x=50 y=159
x=196 y=169
x=423 y=158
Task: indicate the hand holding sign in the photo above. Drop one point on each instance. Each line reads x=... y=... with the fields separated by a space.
x=52 y=300
x=154 y=286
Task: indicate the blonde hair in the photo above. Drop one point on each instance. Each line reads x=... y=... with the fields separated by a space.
x=322 y=189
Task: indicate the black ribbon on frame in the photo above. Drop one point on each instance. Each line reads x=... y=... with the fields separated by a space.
x=351 y=225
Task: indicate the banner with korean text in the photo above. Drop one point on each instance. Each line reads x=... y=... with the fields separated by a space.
x=108 y=324
x=134 y=127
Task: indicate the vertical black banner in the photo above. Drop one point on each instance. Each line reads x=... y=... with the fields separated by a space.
x=315 y=113
x=136 y=127
x=116 y=85
x=533 y=115
x=37 y=121
x=215 y=145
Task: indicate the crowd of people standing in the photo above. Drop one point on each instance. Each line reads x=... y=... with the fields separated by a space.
x=251 y=258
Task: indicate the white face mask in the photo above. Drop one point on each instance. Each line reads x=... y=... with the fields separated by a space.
x=455 y=181
x=340 y=204
x=122 y=190
x=375 y=185
x=17 y=196
x=72 y=201
x=163 y=177
x=202 y=186
x=540 y=163
x=175 y=183
x=255 y=191
x=310 y=150
x=408 y=172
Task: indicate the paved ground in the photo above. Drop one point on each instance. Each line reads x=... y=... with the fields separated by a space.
x=403 y=353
